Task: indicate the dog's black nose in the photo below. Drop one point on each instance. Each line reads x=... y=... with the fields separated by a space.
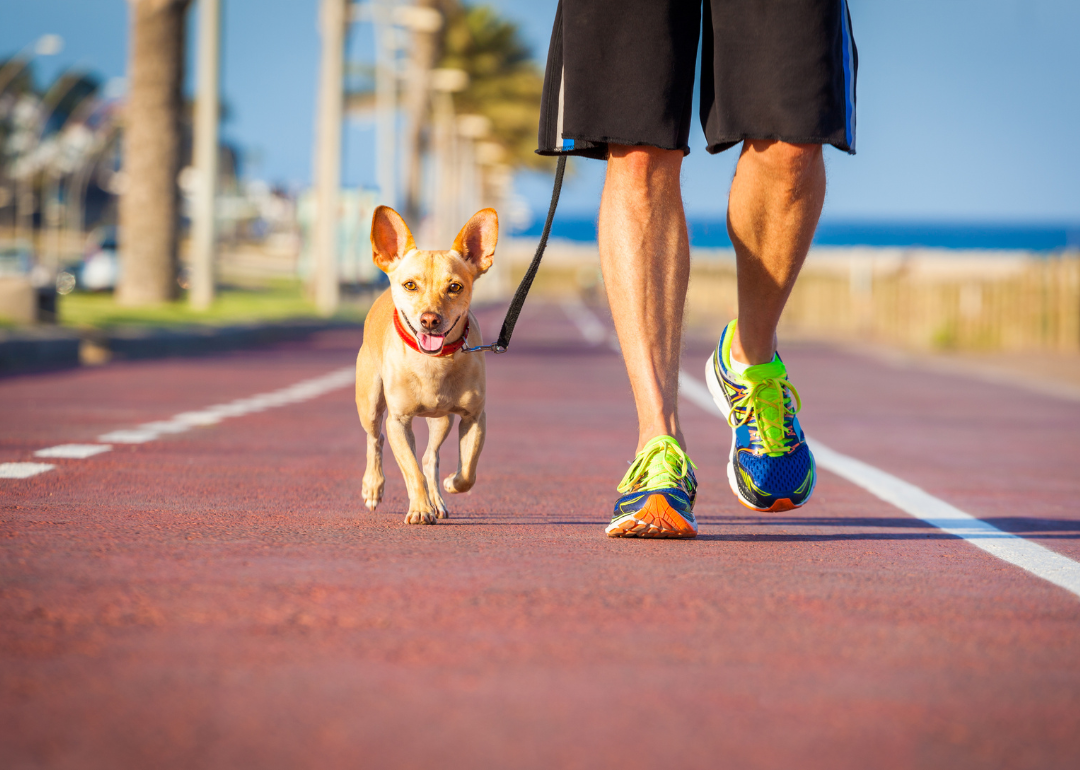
x=430 y=321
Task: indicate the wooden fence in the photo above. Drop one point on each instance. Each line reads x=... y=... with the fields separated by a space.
x=918 y=299
x=915 y=299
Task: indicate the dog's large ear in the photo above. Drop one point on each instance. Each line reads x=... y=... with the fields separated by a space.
x=477 y=239
x=390 y=238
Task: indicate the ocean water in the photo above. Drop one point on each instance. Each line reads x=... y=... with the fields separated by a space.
x=712 y=233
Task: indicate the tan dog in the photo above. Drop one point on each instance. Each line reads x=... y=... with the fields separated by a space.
x=410 y=364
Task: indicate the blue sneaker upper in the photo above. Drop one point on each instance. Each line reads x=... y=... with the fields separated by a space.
x=772 y=466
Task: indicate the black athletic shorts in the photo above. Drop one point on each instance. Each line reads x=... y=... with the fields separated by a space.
x=622 y=72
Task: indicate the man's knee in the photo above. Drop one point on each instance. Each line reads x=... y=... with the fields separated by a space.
x=642 y=161
x=783 y=160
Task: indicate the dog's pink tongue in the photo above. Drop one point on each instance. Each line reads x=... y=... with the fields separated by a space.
x=432 y=343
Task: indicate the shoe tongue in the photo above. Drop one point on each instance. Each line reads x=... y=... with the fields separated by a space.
x=660 y=440
x=770 y=419
x=657 y=463
x=431 y=343
x=759 y=372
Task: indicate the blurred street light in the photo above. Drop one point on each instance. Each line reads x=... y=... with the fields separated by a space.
x=332 y=22
x=447 y=200
x=385 y=101
x=46 y=45
x=205 y=152
x=418 y=18
x=449 y=81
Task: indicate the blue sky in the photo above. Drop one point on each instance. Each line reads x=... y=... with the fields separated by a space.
x=968 y=109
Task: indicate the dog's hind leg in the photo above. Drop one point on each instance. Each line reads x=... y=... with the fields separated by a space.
x=438 y=430
x=470 y=441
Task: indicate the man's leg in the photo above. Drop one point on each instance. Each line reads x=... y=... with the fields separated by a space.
x=773 y=210
x=775 y=202
x=645 y=257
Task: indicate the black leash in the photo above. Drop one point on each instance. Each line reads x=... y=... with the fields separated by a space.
x=518 y=301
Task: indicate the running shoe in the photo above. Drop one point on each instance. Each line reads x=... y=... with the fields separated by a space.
x=770 y=467
x=657 y=494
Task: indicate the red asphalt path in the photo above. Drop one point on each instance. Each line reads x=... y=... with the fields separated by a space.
x=220 y=598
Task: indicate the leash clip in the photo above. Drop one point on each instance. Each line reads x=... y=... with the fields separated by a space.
x=493 y=347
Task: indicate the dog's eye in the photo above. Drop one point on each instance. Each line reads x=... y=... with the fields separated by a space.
x=409 y=285
x=455 y=287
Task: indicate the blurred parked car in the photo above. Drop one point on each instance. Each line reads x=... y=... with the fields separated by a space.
x=100 y=268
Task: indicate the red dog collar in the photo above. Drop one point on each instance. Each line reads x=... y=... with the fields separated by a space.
x=447 y=350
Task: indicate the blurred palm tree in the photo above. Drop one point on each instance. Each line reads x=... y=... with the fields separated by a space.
x=504 y=86
x=150 y=199
x=504 y=82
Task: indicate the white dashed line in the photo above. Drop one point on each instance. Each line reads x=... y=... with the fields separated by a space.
x=912 y=500
x=23 y=470
x=211 y=415
x=73 y=451
x=128 y=436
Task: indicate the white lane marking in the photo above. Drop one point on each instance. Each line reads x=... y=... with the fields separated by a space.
x=300 y=391
x=918 y=503
x=23 y=470
x=211 y=415
x=73 y=451
x=914 y=501
x=128 y=436
x=1036 y=559
x=165 y=426
x=591 y=328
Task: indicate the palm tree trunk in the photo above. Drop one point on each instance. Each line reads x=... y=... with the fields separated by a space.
x=149 y=203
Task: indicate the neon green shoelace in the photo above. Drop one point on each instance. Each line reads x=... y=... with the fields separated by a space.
x=662 y=464
x=765 y=401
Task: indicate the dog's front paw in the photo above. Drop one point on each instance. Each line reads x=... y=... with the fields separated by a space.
x=372 y=494
x=455 y=485
x=421 y=517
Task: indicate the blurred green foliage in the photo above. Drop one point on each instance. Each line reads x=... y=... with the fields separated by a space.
x=504 y=83
x=279 y=301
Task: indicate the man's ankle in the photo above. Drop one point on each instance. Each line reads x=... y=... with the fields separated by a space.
x=742 y=359
x=647 y=438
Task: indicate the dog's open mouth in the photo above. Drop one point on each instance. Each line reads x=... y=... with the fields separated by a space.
x=430 y=343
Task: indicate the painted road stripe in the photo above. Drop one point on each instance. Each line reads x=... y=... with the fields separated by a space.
x=918 y=503
x=73 y=451
x=23 y=470
x=300 y=391
x=211 y=415
x=128 y=436
x=594 y=332
x=1036 y=559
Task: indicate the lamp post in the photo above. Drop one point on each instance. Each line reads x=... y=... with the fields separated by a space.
x=385 y=101
x=332 y=21
x=445 y=83
x=203 y=224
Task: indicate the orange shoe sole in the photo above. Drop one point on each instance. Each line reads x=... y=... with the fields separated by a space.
x=781 y=505
x=655 y=519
